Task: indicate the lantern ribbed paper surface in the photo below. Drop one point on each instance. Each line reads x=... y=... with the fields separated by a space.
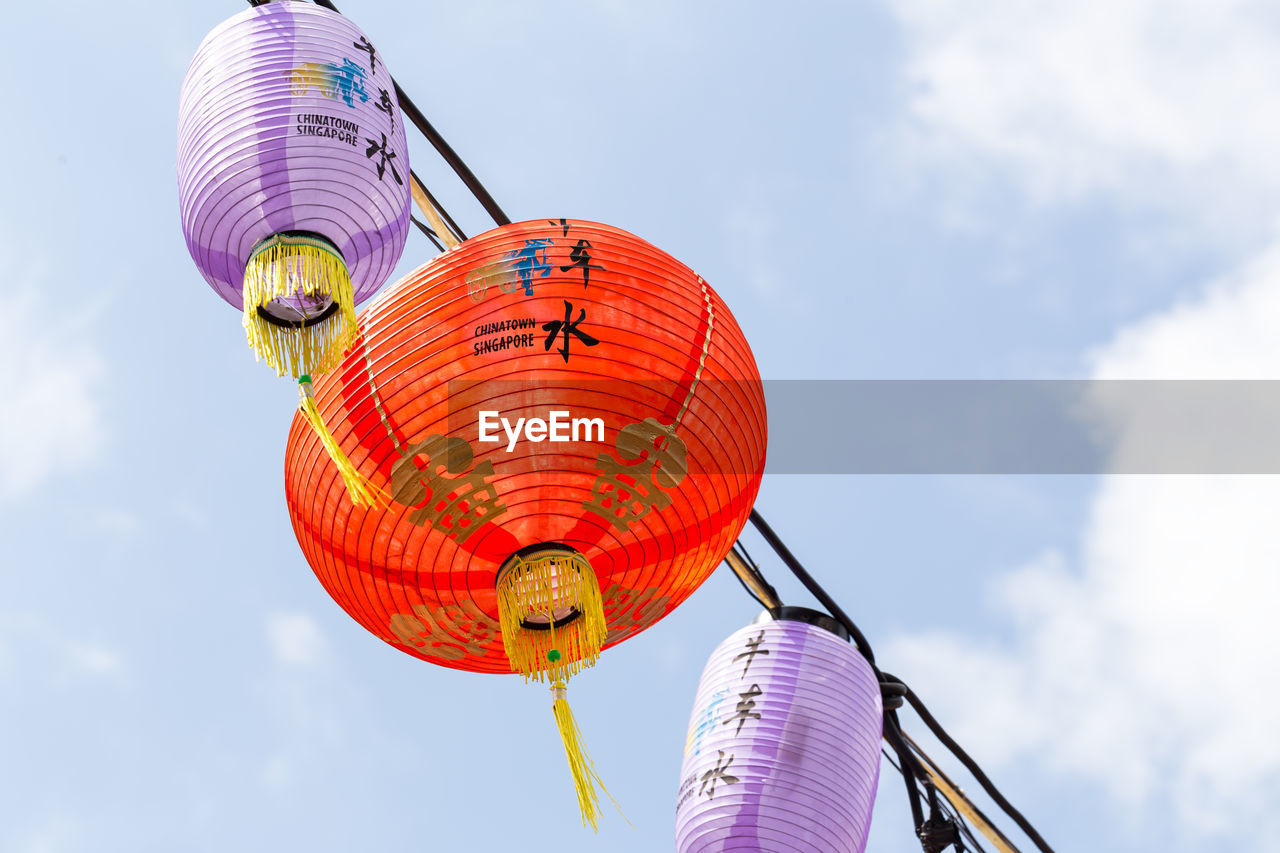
x=783 y=752
x=509 y=546
x=292 y=175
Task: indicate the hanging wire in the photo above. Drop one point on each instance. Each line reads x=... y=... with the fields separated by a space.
x=972 y=766
x=812 y=585
x=947 y=807
x=957 y=797
x=426 y=229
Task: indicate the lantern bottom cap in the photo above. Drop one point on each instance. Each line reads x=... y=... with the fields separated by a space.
x=551 y=611
x=299 y=304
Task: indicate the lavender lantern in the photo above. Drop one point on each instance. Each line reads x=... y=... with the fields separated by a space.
x=783 y=752
x=292 y=176
x=293 y=183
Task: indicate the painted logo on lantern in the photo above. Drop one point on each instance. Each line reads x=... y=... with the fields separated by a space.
x=529 y=261
x=709 y=720
x=520 y=267
x=517 y=269
x=344 y=82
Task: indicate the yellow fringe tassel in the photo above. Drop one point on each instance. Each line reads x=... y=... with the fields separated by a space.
x=585 y=777
x=289 y=265
x=362 y=492
x=544 y=586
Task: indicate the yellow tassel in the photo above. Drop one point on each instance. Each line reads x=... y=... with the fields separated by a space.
x=553 y=583
x=585 y=777
x=361 y=491
x=293 y=265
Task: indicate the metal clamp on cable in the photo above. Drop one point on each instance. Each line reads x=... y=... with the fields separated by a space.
x=939 y=833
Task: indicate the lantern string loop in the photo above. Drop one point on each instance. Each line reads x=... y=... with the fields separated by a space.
x=362 y=492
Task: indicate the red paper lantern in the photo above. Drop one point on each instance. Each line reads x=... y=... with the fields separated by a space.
x=630 y=443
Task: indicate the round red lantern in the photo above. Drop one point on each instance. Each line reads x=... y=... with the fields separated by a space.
x=570 y=428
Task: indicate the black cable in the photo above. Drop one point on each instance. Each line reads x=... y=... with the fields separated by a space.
x=893 y=734
x=953 y=812
x=946 y=806
x=443 y=148
x=426 y=229
x=911 y=783
x=972 y=766
x=751 y=592
x=892 y=694
x=762 y=590
x=812 y=585
x=933 y=765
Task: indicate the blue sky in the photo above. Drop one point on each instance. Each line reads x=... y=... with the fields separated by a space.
x=910 y=189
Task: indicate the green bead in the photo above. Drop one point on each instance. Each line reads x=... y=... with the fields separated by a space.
x=553 y=655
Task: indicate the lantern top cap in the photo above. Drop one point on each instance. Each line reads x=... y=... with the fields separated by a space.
x=816 y=618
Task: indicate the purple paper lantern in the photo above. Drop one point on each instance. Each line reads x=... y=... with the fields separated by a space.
x=783 y=752
x=293 y=176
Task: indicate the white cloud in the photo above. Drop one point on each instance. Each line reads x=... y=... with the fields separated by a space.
x=1147 y=668
x=1144 y=100
x=1226 y=332
x=50 y=373
x=295 y=639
